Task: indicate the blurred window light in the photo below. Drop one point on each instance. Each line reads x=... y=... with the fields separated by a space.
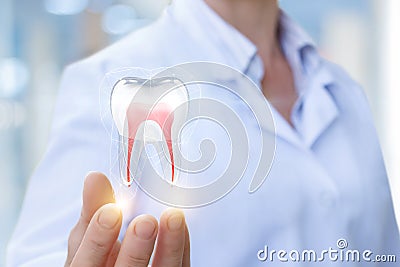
x=98 y=6
x=14 y=76
x=65 y=7
x=150 y=9
x=12 y=115
x=5 y=115
x=120 y=19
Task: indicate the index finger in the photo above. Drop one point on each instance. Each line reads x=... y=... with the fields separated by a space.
x=97 y=191
x=100 y=237
x=171 y=240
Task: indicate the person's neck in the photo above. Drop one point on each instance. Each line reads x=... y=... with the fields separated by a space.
x=256 y=19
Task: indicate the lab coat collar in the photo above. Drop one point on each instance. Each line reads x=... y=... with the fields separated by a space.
x=313 y=113
x=294 y=38
x=206 y=26
x=233 y=48
x=229 y=46
x=315 y=109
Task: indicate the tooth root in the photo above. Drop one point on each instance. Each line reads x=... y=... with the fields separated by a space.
x=163 y=115
x=135 y=148
x=165 y=155
x=171 y=156
x=128 y=166
x=135 y=116
x=166 y=127
x=155 y=128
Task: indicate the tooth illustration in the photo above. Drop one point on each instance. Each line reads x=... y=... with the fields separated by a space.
x=146 y=111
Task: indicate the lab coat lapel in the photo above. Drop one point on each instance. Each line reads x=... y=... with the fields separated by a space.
x=317 y=109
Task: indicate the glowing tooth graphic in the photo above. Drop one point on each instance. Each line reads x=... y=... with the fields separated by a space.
x=149 y=111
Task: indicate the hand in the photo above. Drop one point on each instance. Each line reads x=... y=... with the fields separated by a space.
x=93 y=241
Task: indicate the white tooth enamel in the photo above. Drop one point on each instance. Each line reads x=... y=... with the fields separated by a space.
x=148 y=133
x=170 y=92
x=124 y=93
x=122 y=96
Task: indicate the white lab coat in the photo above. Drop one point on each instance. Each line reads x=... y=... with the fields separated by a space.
x=327 y=182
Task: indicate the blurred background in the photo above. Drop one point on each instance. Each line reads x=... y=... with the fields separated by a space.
x=39 y=38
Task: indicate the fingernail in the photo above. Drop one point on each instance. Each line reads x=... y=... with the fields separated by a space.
x=175 y=221
x=109 y=216
x=144 y=228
